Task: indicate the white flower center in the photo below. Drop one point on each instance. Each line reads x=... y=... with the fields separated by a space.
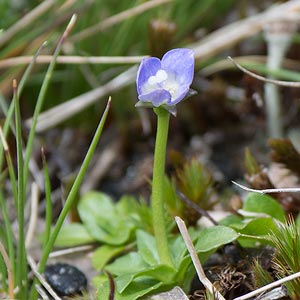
x=160 y=76
x=162 y=80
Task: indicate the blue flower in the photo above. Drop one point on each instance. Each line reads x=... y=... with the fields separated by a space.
x=165 y=82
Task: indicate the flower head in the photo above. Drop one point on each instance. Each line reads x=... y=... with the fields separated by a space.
x=165 y=82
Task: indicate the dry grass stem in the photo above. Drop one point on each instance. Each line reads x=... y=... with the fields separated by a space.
x=231 y=34
x=9 y=271
x=70 y=251
x=68 y=29
x=269 y=286
x=26 y=20
x=193 y=253
x=267 y=191
x=33 y=214
x=117 y=19
x=69 y=108
x=245 y=59
x=41 y=292
x=41 y=278
x=3 y=140
x=45 y=59
x=261 y=78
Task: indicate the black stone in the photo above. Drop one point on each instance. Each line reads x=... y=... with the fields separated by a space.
x=65 y=279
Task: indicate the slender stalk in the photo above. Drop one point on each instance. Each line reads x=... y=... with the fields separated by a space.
x=159 y=226
x=21 y=255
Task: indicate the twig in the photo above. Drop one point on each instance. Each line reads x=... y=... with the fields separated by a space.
x=267 y=191
x=268 y=286
x=196 y=207
x=117 y=19
x=26 y=20
x=33 y=214
x=264 y=79
x=193 y=253
x=72 y=59
x=41 y=278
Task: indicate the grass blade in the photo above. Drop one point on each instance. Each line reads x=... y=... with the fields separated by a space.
x=21 y=279
x=41 y=98
x=48 y=220
x=71 y=197
x=9 y=113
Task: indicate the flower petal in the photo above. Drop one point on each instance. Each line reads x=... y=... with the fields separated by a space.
x=157 y=97
x=179 y=62
x=148 y=67
x=183 y=91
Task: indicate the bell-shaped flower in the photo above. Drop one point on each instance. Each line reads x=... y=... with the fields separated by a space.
x=167 y=81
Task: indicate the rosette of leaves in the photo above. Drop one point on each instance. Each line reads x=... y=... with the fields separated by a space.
x=140 y=272
x=111 y=224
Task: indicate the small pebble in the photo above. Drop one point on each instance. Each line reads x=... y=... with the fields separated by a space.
x=65 y=279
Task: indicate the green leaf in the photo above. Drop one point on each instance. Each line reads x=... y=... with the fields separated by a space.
x=259 y=230
x=127 y=205
x=103 y=221
x=147 y=247
x=161 y=273
x=132 y=267
x=259 y=203
x=136 y=290
x=73 y=234
x=127 y=264
x=104 y=254
x=231 y=220
x=213 y=237
x=178 y=249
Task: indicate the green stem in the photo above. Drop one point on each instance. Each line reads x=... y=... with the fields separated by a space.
x=159 y=226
